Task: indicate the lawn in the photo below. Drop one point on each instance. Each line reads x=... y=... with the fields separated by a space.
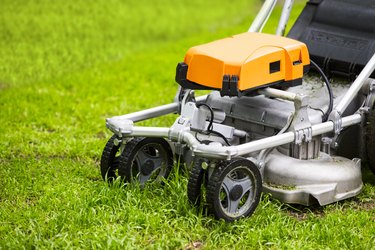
x=67 y=65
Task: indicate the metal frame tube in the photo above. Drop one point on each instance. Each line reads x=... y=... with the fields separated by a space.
x=154 y=112
x=149 y=113
x=326 y=127
x=150 y=132
x=263 y=15
x=288 y=137
x=277 y=93
x=284 y=18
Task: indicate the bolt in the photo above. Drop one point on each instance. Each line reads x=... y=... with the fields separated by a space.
x=204 y=165
x=117 y=142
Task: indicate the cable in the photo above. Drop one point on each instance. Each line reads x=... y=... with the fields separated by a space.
x=210 y=125
x=329 y=88
x=203 y=141
x=220 y=135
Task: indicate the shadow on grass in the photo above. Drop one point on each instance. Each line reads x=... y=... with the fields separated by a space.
x=301 y=212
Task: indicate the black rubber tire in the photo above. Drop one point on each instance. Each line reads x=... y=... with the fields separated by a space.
x=370 y=140
x=110 y=160
x=195 y=182
x=218 y=198
x=154 y=148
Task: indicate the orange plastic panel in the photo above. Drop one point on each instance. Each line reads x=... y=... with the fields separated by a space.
x=256 y=58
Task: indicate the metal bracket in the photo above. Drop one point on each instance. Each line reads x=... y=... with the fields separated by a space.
x=301 y=123
x=303 y=135
x=370 y=96
x=179 y=94
x=326 y=145
x=184 y=96
x=120 y=126
x=190 y=116
x=335 y=117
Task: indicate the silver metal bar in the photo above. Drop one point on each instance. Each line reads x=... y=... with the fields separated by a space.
x=150 y=113
x=285 y=138
x=288 y=137
x=276 y=93
x=284 y=18
x=150 y=131
x=268 y=142
x=239 y=133
x=263 y=15
x=154 y=112
x=326 y=127
x=356 y=86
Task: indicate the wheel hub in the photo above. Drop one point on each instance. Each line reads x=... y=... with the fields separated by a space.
x=236 y=192
x=147 y=167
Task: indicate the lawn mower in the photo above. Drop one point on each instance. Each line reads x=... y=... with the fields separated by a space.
x=287 y=115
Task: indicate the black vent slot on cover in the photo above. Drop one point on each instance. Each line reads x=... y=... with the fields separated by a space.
x=339 y=34
x=274 y=67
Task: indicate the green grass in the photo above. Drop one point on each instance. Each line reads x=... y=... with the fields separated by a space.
x=67 y=65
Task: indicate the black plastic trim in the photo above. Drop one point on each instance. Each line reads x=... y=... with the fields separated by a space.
x=275 y=67
x=181 y=72
x=339 y=34
x=230 y=83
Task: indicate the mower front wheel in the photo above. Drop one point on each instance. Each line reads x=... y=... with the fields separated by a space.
x=109 y=161
x=234 y=189
x=146 y=159
x=197 y=182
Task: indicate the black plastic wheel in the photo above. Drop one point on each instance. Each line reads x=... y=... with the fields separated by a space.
x=146 y=159
x=370 y=140
x=234 y=189
x=196 y=180
x=110 y=160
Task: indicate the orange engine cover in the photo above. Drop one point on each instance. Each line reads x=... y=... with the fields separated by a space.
x=244 y=62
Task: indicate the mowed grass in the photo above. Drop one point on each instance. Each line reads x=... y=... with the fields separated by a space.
x=67 y=65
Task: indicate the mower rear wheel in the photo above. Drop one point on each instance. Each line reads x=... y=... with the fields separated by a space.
x=370 y=140
x=146 y=159
x=234 y=189
x=196 y=183
x=110 y=159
